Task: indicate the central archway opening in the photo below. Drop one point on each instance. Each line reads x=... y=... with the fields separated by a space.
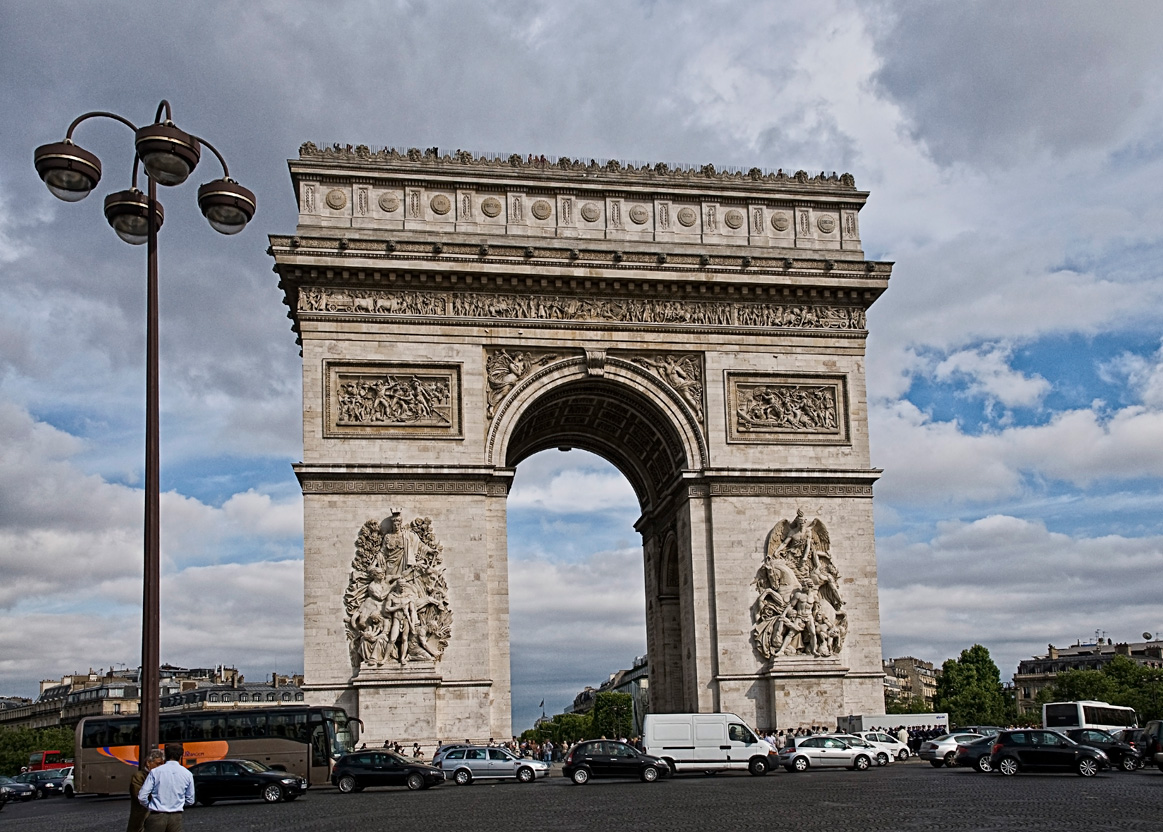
x=577 y=602
x=596 y=533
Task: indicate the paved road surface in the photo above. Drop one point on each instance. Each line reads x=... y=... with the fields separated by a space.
x=900 y=798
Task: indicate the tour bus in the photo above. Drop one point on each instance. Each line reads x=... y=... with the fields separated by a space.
x=42 y=760
x=301 y=740
x=1088 y=714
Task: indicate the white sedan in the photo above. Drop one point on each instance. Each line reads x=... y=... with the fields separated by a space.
x=898 y=749
x=817 y=751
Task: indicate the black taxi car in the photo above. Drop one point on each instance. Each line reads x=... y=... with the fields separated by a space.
x=244 y=780
x=610 y=758
x=361 y=769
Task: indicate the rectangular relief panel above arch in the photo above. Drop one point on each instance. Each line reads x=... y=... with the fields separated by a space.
x=778 y=409
x=391 y=400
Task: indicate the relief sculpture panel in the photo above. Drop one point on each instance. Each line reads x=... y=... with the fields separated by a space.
x=538 y=307
x=396 y=601
x=799 y=609
x=683 y=373
x=392 y=400
x=786 y=409
x=504 y=369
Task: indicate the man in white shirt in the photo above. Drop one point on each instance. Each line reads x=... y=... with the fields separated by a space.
x=166 y=792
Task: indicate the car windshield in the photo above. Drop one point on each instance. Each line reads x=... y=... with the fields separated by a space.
x=49 y=775
x=252 y=766
x=6 y=780
x=392 y=755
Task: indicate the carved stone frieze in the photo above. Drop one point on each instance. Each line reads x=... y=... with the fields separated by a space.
x=799 y=608
x=445 y=304
x=782 y=409
x=531 y=164
x=392 y=400
x=682 y=372
x=396 y=602
x=505 y=368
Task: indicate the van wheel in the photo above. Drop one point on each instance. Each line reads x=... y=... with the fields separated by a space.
x=757 y=766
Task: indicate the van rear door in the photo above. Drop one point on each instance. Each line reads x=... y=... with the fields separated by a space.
x=711 y=744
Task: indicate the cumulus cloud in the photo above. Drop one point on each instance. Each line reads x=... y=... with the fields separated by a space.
x=1144 y=375
x=1013 y=585
x=989 y=375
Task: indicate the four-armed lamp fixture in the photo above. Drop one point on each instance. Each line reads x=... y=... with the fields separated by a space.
x=169 y=156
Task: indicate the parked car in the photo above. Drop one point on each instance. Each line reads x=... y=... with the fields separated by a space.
x=975 y=755
x=941 y=751
x=821 y=751
x=609 y=758
x=879 y=755
x=67 y=783
x=1041 y=750
x=444 y=749
x=244 y=780
x=47 y=783
x=463 y=765
x=1121 y=754
x=899 y=750
x=706 y=743
x=1136 y=738
x=14 y=790
x=984 y=730
x=356 y=772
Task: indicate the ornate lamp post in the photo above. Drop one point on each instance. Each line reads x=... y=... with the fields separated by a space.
x=169 y=156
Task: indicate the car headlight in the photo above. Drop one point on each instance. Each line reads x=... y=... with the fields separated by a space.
x=290 y=781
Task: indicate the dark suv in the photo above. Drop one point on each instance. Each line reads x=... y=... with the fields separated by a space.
x=609 y=758
x=1036 y=750
x=1153 y=742
x=1121 y=754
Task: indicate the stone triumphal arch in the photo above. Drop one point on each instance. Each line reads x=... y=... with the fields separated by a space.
x=702 y=330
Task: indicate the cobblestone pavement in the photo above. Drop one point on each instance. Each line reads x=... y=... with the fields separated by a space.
x=901 y=797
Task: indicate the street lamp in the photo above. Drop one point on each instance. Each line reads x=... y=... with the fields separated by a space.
x=169 y=156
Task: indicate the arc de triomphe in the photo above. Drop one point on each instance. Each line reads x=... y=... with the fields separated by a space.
x=702 y=330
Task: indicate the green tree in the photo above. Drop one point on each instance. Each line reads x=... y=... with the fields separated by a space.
x=970 y=689
x=16 y=744
x=906 y=705
x=613 y=715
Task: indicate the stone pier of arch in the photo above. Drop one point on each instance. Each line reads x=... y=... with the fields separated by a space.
x=704 y=332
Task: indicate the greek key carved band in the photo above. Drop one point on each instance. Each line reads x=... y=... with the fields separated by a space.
x=724 y=489
x=454 y=487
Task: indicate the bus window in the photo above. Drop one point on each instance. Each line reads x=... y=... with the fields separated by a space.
x=172 y=729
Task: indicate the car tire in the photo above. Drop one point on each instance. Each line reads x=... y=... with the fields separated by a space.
x=346 y=784
x=800 y=764
x=757 y=766
x=937 y=763
x=950 y=759
x=463 y=777
x=415 y=782
x=983 y=764
x=526 y=775
x=861 y=763
x=1008 y=766
x=581 y=776
x=881 y=759
x=649 y=774
x=1128 y=763
x=1087 y=767
x=272 y=793
x=902 y=755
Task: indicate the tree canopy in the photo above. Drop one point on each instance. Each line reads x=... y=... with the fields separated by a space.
x=970 y=690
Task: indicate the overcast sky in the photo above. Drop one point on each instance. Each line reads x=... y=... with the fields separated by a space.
x=1014 y=155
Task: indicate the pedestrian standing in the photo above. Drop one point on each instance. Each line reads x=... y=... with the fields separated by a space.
x=166 y=792
x=137 y=812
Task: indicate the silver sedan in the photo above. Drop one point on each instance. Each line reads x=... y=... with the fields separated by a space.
x=941 y=750
x=489 y=763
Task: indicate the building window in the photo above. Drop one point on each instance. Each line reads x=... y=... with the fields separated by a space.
x=286 y=697
x=116 y=707
x=226 y=697
x=242 y=697
x=298 y=697
x=213 y=697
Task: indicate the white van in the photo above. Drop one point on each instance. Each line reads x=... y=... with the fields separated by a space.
x=706 y=742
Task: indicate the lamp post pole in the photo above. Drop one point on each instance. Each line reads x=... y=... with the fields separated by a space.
x=150 y=681
x=169 y=156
